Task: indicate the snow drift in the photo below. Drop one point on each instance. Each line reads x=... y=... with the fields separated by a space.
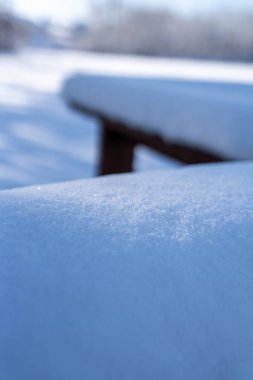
x=144 y=276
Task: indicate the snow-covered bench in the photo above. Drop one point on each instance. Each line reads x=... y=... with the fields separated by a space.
x=139 y=276
x=193 y=121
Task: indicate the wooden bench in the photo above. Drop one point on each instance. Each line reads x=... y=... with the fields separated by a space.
x=193 y=122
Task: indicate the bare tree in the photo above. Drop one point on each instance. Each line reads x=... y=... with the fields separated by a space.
x=141 y=31
x=7 y=27
x=106 y=12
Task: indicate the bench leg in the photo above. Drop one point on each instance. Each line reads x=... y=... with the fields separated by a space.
x=116 y=151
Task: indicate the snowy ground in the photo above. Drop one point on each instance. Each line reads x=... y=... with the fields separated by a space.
x=129 y=277
x=41 y=141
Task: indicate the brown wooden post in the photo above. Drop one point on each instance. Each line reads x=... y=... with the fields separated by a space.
x=116 y=151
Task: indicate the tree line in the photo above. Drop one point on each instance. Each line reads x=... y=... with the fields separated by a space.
x=7 y=28
x=115 y=28
x=162 y=33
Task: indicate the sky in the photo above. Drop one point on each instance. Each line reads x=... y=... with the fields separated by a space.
x=67 y=11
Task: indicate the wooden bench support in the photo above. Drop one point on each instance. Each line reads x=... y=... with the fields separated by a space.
x=118 y=141
x=116 y=152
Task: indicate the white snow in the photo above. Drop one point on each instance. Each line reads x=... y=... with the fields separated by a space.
x=41 y=140
x=144 y=276
x=202 y=104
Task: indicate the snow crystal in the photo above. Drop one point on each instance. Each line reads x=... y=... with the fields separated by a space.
x=143 y=276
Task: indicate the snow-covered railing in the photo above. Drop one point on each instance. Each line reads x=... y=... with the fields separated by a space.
x=193 y=121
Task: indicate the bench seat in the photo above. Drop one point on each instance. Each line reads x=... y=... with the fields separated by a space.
x=212 y=117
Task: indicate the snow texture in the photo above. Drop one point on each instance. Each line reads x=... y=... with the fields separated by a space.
x=41 y=140
x=208 y=106
x=143 y=276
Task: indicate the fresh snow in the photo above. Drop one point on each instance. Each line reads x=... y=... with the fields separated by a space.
x=143 y=276
x=206 y=105
x=41 y=140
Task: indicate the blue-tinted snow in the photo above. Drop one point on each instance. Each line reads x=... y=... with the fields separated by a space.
x=144 y=276
x=204 y=111
x=41 y=140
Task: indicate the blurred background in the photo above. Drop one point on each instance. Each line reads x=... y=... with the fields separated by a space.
x=211 y=29
x=44 y=42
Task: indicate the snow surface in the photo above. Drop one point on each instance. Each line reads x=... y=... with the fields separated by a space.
x=41 y=140
x=143 y=276
x=207 y=106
